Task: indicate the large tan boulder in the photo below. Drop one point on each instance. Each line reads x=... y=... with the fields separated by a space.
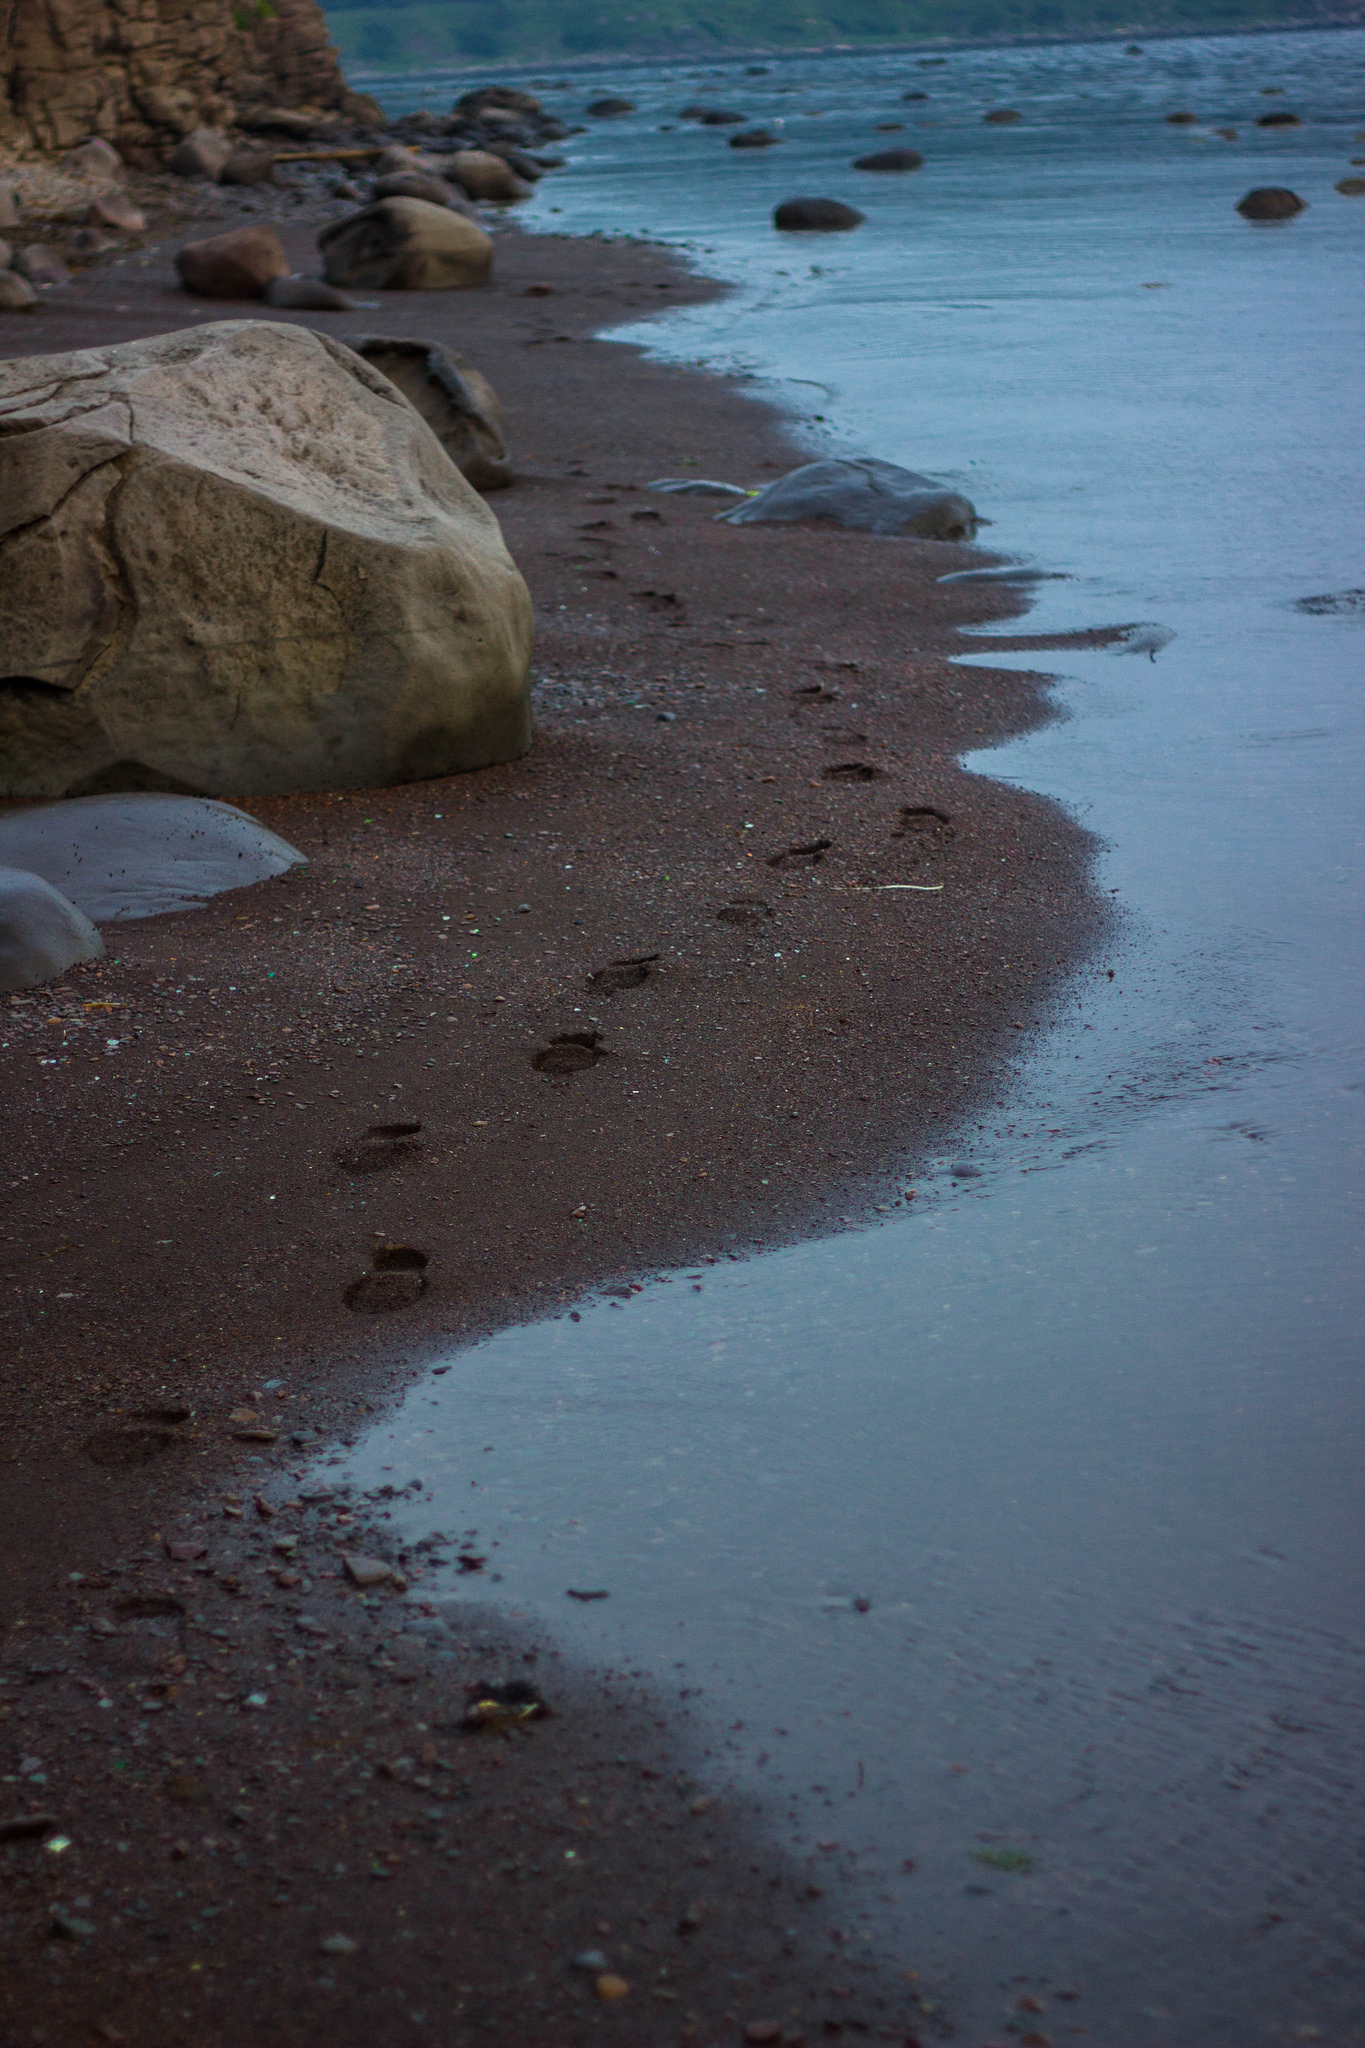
x=457 y=402
x=237 y=265
x=406 y=245
x=481 y=175
x=234 y=560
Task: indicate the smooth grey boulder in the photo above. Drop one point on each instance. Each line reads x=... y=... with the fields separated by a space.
x=41 y=934
x=234 y=560
x=871 y=496
x=120 y=857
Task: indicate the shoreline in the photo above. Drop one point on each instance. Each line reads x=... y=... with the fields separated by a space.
x=767 y=1080
x=511 y=69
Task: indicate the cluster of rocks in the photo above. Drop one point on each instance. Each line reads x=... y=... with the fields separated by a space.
x=85 y=192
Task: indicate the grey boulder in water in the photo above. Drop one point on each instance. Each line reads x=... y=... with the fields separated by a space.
x=41 y=934
x=119 y=857
x=870 y=496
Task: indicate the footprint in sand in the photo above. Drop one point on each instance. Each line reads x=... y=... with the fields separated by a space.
x=572 y=1052
x=399 y=1278
x=382 y=1146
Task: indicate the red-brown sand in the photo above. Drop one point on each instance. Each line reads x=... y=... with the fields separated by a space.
x=743 y=736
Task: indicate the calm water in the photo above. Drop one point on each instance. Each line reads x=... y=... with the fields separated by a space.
x=1085 y=1429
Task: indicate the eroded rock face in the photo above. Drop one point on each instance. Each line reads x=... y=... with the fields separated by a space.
x=406 y=245
x=41 y=934
x=235 y=560
x=142 y=74
x=871 y=496
x=457 y=402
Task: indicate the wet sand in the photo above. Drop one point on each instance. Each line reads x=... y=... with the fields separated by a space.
x=745 y=753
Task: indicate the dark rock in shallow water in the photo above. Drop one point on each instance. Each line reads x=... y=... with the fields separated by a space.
x=871 y=496
x=41 y=933
x=1278 y=121
x=1182 y=120
x=1002 y=117
x=820 y=214
x=117 y=857
x=1270 y=202
x=306 y=295
x=604 y=109
x=754 y=138
x=720 y=117
x=1333 y=604
x=889 y=160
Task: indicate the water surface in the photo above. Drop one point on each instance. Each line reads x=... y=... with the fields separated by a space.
x=1083 y=1430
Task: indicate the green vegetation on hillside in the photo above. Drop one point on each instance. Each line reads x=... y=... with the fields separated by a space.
x=399 y=34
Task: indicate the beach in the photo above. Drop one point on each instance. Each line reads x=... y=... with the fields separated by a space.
x=797 y=946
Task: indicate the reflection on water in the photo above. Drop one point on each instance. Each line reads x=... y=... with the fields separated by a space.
x=1082 y=1432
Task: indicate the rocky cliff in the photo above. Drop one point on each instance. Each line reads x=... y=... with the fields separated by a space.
x=143 y=73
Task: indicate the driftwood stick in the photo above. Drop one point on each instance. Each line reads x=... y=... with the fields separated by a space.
x=323 y=156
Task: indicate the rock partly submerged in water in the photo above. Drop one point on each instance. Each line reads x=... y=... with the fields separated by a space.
x=121 y=857
x=821 y=215
x=41 y=933
x=870 y=496
x=890 y=160
x=406 y=245
x=457 y=402
x=235 y=560
x=1270 y=202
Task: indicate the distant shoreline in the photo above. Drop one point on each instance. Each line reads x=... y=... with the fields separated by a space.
x=363 y=75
